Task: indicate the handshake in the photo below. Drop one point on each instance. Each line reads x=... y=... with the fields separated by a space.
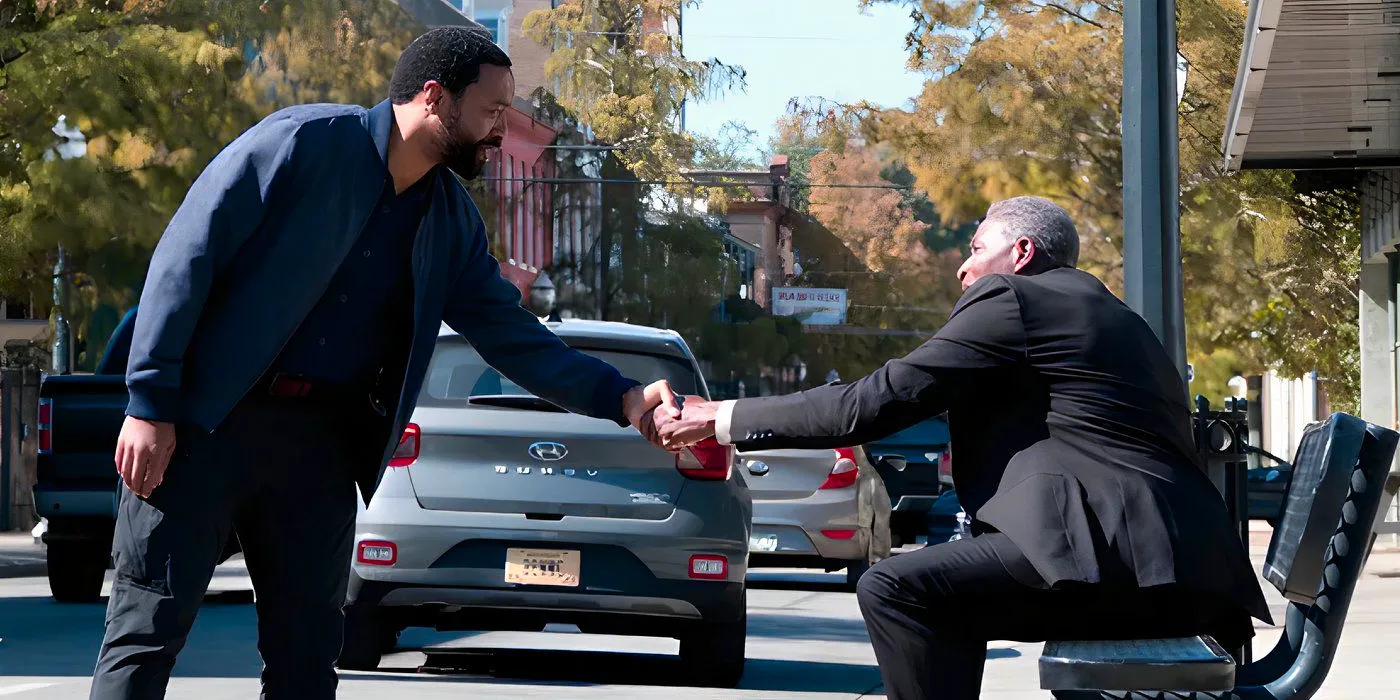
x=667 y=420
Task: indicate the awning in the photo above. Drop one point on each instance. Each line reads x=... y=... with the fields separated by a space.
x=1318 y=86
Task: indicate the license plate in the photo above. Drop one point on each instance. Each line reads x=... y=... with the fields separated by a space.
x=542 y=567
x=763 y=543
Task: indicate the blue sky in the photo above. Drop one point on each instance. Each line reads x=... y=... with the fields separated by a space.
x=798 y=48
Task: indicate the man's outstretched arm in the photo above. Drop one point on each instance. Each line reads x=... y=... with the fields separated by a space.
x=486 y=310
x=984 y=333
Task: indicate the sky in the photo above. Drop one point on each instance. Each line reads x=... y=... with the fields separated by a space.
x=798 y=48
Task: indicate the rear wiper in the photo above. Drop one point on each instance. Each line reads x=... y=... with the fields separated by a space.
x=528 y=403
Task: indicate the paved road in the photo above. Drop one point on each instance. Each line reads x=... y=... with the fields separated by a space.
x=806 y=640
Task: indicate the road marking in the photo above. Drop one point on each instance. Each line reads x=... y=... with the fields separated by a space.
x=23 y=687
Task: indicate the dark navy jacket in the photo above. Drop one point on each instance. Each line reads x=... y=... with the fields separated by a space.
x=259 y=237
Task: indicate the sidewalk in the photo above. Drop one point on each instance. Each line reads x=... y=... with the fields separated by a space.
x=20 y=555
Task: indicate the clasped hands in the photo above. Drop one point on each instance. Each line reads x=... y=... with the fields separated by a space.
x=666 y=420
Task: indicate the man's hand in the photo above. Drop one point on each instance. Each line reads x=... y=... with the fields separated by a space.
x=639 y=403
x=695 y=423
x=143 y=452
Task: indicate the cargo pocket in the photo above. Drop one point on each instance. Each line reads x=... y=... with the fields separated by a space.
x=143 y=552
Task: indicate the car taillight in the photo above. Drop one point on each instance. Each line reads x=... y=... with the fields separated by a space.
x=709 y=566
x=945 y=465
x=845 y=472
x=45 y=426
x=706 y=460
x=409 y=444
x=377 y=552
x=839 y=534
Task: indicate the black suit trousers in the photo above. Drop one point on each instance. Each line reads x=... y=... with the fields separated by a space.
x=277 y=474
x=931 y=612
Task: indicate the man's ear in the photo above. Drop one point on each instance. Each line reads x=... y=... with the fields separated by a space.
x=1025 y=253
x=432 y=95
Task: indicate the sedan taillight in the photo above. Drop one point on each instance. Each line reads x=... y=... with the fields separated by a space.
x=845 y=472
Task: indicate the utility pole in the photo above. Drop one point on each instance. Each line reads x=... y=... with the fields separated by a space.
x=62 y=345
x=1151 y=234
x=71 y=144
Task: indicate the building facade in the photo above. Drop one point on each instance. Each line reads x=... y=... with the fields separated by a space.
x=1318 y=89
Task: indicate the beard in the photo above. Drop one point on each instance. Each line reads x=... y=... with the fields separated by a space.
x=464 y=157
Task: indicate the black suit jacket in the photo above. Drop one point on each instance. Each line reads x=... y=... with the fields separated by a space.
x=1071 y=430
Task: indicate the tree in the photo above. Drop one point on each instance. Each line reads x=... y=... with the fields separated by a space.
x=727 y=150
x=157 y=88
x=1309 y=320
x=620 y=71
x=867 y=234
x=1025 y=99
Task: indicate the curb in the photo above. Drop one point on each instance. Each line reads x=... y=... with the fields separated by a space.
x=25 y=570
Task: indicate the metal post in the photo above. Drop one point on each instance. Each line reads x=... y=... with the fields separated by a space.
x=1151 y=244
x=61 y=340
x=8 y=425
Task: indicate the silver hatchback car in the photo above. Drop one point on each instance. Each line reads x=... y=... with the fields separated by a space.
x=501 y=511
x=825 y=509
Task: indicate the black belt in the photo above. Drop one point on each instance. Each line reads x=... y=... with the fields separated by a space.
x=291 y=387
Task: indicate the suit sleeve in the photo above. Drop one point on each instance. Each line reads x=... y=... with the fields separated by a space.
x=485 y=309
x=983 y=333
x=222 y=209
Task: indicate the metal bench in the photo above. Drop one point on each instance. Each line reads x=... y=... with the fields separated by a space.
x=1315 y=558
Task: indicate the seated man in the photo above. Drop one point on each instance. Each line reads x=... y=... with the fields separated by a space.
x=1092 y=515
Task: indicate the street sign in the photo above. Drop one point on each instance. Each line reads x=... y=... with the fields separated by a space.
x=812 y=306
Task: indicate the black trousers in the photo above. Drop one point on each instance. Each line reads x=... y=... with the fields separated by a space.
x=931 y=612
x=277 y=473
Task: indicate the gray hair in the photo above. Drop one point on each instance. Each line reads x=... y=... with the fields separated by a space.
x=1044 y=222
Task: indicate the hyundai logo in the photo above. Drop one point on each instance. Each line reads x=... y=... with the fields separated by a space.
x=548 y=451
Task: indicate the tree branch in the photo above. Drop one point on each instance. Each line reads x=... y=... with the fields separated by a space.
x=1071 y=13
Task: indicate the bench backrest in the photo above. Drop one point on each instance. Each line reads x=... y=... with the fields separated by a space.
x=1320 y=586
x=1322 y=471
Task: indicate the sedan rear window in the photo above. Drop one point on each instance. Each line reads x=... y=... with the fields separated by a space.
x=458 y=373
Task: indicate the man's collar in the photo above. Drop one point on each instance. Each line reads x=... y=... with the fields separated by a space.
x=381 y=124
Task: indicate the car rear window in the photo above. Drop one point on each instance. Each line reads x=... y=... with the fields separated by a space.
x=457 y=372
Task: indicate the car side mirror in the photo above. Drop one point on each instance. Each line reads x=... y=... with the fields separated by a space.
x=894 y=462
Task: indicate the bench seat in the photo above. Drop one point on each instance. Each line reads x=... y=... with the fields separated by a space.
x=1180 y=664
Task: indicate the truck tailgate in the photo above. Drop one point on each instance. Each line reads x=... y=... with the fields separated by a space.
x=86 y=415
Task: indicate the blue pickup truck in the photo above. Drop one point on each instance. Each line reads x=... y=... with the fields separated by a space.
x=916 y=466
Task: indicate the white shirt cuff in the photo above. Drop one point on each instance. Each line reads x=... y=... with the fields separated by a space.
x=722 y=417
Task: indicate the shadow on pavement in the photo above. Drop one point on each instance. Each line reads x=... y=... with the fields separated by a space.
x=578 y=668
x=815 y=581
x=44 y=638
x=820 y=629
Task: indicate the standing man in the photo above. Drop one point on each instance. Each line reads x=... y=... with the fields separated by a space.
x=283 y=335
x=1091 y=515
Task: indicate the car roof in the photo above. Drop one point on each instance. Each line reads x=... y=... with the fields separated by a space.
x=610 y=334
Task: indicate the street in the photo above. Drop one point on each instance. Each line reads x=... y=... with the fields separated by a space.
x=806 y=640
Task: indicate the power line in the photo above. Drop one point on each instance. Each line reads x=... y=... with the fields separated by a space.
x=709 y=36
x=692 y=183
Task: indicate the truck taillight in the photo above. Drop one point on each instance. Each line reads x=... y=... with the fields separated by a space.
x=45 y=426
x=706 y=460
x=844 y=473
x=409 y=444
